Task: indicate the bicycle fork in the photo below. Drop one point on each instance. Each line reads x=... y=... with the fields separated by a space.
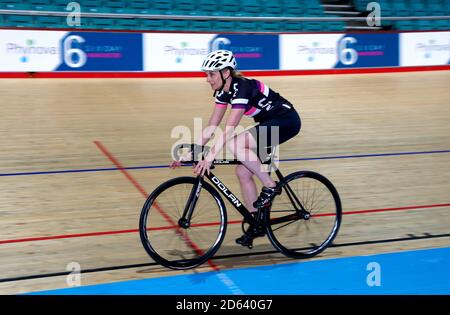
x=185 y=220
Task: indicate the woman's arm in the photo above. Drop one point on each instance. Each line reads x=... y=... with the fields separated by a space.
x=232 y=121
x=214 y=122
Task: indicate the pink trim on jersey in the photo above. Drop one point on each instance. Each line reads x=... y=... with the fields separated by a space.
x=252 y=111
x=264 y=89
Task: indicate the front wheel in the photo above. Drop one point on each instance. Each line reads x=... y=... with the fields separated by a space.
x=170 y=241
x=305 y=218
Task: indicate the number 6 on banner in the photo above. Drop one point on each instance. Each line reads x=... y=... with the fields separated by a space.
x=344 y=52
x=69 y=52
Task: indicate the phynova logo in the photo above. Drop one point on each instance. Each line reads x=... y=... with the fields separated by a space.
x=183 y=50
x=428 y=48
x=30 y=48
x=314 y=49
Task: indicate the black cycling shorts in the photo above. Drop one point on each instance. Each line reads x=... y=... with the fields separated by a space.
x=275 y=131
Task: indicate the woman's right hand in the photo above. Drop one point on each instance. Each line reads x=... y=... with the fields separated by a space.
x=185 y=157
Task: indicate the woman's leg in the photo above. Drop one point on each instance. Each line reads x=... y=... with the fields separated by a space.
x=243 y=148
x=248 y=187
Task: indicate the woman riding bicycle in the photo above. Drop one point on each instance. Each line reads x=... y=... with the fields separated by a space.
x=252 y=98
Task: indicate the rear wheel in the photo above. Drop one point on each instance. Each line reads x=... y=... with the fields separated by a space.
x=305 y=218
x=167 y=239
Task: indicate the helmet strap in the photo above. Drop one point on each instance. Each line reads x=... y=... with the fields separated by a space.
x=223 y=83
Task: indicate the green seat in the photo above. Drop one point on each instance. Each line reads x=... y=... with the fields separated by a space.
x=293 y=8
x=201 y=25
x=15 y=6
x=401 y=9
x=246 y=26
x=294 y=26
x=176 y=25
x=250 y=8
x=274 y=26
x=51 y=21
x=271 y=8
x=312 y=26
x=127 y=24
x=20 y=21
x=184 y=6
x=220 y=25
x=139 y=5
x=405 y=25
x=425 y=25
x=150 y=25
x=101 y=23
x=418 y=8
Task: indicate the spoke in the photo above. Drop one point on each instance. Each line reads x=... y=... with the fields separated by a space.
x=284 y=225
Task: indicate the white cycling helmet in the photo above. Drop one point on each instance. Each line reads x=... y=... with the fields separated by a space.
x=218 y=60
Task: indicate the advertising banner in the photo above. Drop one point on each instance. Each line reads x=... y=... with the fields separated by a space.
x=175 y=52
x=368 y=50
x=186 y=52
x=308 y=51
x=425 y=49
x=328 y=51
x=91 y=51
x=252 y=51
x=29 y=51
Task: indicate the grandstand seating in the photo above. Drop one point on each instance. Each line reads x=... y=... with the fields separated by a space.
x=237 y=8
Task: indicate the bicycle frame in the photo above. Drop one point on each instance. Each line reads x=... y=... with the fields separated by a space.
x=231 y=197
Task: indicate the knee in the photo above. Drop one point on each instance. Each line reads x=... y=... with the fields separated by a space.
x=243 y=173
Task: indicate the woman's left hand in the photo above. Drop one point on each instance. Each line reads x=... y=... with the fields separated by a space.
x=203 y=166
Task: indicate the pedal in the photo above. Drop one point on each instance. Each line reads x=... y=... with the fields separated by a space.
x=245 y=241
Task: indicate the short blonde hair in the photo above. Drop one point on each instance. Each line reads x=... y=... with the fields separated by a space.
x=236 y=74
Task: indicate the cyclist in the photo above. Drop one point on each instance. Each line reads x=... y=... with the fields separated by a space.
x=269 y=109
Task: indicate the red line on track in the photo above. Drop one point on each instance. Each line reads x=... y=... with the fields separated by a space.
x=47 y=238
x=193 y=74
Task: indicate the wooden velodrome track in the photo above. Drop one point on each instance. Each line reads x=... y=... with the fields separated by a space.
x=49 y=219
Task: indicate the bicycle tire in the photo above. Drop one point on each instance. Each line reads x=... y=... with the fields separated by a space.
x=294 y=241
x=192 y=251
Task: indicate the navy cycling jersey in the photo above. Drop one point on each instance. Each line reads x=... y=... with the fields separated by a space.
x=258 y=100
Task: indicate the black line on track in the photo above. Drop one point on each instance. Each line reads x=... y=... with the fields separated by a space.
x=409 y=237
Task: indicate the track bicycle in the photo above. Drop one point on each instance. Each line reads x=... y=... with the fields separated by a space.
x=184 y=220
